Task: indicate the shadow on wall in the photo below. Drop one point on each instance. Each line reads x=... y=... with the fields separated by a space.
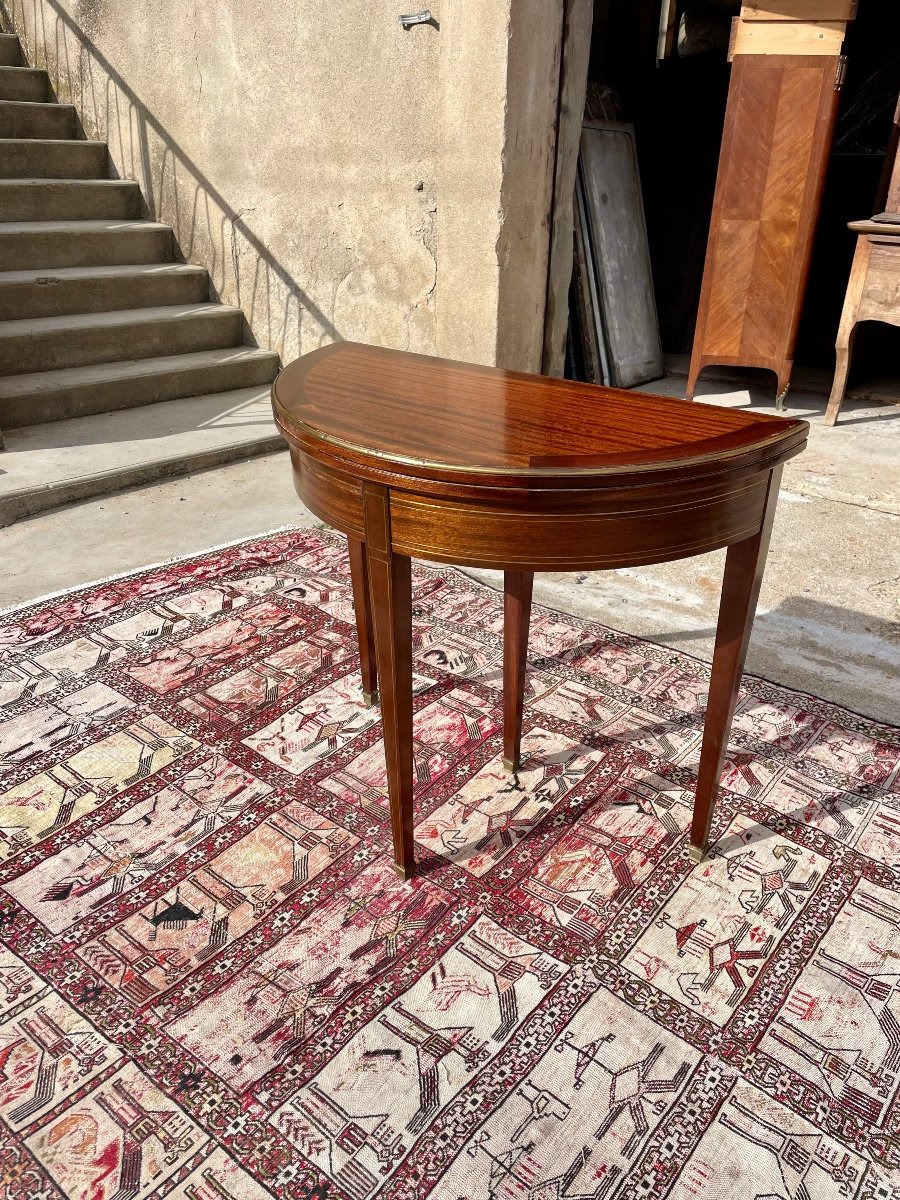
x=211 y=233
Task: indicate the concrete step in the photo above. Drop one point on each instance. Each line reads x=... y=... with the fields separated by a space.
x=38 y=158
x=38 y=244
x=46 y=466
x=23 y=119
x=109 y=387
x=24 y=83
x=10 y=50
x=79 y=339
x=69 y=200
x=53 y=293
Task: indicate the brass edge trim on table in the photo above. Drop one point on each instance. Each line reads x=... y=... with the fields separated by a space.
x=628 y=480
x=539 y=472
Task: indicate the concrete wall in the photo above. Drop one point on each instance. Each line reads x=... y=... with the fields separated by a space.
x=526 y=192
x=339 y=177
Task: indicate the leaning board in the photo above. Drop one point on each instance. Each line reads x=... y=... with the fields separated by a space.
x=618 y=237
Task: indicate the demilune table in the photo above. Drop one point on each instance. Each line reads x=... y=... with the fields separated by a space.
x=418 y=457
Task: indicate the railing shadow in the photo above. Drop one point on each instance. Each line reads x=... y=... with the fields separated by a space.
x=212 y=234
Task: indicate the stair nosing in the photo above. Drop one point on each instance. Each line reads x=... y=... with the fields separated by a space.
x=125 y=367
x=18 y=141
x=106 y=319
x=251 y=390
x=56 y=105
x=20 y=180
x=86 y=225
x=103 y=270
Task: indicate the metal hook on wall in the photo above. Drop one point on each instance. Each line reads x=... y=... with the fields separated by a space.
x=407 y=20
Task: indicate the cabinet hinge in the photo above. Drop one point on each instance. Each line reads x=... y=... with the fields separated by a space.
x=840 y=73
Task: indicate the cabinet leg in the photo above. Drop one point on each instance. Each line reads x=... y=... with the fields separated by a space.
x=783 y=384
x=517 y=588
x=362 y=603
x=693 y=373
x=744 y=565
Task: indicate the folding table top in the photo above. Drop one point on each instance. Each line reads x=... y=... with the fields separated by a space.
x=432 y=416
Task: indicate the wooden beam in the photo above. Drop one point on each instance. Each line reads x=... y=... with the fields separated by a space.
x=800 y=10
x=787 y=37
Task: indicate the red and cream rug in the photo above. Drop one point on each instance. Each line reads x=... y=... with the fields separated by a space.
x=214 y=987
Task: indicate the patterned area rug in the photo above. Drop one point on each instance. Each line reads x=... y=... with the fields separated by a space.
x=214 y=987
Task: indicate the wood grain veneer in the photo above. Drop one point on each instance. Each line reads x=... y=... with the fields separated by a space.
x=778 y=129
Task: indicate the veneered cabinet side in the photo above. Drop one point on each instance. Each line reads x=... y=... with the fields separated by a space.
x=778 y=130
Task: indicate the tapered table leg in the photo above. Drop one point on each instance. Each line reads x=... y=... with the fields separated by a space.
x=744 y=565
x=362 y=603
x=517 y=588
x=391 y=591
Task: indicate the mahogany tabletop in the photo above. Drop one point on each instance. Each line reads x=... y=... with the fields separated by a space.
x=428 y=416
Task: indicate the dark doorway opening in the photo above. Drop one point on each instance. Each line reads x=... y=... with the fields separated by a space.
x=677 y=104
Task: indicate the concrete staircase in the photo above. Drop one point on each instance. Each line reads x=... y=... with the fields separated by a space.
x=115 y=366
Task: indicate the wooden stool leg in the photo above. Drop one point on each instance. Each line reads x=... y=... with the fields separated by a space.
x=744 y=565
x=517 y=587
x=362 y=603
x=847 y=329
x=391 y=590
x=842 y=351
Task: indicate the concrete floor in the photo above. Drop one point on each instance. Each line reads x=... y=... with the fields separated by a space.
x=828 y=620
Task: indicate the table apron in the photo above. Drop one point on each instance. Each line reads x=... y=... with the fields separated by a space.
x=600 y=529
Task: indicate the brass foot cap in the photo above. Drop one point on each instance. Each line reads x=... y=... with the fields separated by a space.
x=404 y=872
x=510 y=766
x=370 y=699
x=695 y=854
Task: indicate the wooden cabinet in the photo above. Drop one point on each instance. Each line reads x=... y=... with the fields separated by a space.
x=775 y=145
